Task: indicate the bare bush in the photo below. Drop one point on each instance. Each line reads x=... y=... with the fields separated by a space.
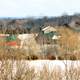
x=21 y=70
x=47 y=74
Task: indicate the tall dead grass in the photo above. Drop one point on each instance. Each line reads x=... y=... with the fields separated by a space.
x=19 y=70
x=17 y=54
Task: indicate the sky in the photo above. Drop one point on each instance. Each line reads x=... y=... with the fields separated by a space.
x=38 y=8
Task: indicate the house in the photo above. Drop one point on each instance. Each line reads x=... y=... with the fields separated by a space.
x=11 y=40
x=47 y=35
x=25 y=39
x=28 y=43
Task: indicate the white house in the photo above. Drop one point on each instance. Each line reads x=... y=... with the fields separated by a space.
x=26 y=38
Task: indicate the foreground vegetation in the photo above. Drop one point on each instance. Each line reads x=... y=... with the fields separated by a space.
x=19 y=54
x=19 y=70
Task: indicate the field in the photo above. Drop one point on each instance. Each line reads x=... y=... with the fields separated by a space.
x=39 y=62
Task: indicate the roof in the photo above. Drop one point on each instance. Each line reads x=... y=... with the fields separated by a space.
x=49 y=29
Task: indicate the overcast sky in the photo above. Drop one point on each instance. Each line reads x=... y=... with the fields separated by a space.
x=27 y=8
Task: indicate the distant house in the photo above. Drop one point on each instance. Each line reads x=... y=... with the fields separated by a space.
x=25 y=39
x=49 y=29
x=47 y=35
x=8 y=40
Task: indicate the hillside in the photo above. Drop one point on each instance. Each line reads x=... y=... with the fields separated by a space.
x=27 y=25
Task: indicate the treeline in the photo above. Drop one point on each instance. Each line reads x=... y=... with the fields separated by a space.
x=28 y=25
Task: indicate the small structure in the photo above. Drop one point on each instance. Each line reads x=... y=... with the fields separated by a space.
x=8 y=40
x=28 y=42
x=51 y=32
x=55 y=37
x=25 y=39
x=11 y=40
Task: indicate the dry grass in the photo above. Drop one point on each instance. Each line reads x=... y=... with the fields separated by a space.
x=10 y=53
x=8 y=71
x=68 y=44
x=17 y=54
x=18 y=70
